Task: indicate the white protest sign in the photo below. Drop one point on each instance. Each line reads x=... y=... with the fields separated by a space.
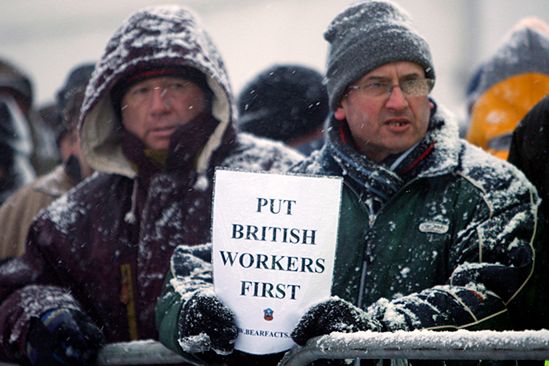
x=274 y=239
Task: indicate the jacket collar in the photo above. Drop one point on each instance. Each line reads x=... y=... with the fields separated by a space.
x=186 y=145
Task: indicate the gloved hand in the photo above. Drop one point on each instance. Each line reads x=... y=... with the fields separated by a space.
x=63 y=337
x=332 y=315
x=206 y=324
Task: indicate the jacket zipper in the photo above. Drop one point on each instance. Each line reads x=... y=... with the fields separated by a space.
x=360 y=298
x=371 y=222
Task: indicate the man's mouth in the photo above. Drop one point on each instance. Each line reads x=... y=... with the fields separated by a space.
x=163 y=128
x=397 y=122
x=398 y=125
x=162 y=132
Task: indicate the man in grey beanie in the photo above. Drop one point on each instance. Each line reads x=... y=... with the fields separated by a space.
x=433 y=233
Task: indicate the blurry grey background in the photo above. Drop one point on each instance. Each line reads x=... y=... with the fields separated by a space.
x=48 y=37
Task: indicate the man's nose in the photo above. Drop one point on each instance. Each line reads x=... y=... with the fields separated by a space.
x=159 y=100
x=396 y=99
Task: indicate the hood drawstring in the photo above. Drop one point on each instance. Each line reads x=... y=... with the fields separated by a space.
x=130 y=217
x=201 y=183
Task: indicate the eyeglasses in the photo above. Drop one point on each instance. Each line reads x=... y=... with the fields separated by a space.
x=378 y=88
x=170 y=89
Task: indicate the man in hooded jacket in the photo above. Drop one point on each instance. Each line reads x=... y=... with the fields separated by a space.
x=433 y=232
x=156 y=120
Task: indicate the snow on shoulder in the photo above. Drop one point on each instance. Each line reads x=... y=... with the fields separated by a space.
x=255 y=152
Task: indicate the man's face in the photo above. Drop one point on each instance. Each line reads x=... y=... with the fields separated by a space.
x=154 y=108
x=386 y=124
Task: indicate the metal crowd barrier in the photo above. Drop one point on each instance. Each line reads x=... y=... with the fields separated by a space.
x=416 y=345
x=147 y=352
x=424 y=345
x=420 y=344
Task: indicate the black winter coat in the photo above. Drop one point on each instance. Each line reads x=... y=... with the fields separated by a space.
x=529 y=151
x=104 y=248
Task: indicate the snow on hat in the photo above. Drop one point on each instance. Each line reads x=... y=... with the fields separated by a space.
x=283 y=102
x=366 y=36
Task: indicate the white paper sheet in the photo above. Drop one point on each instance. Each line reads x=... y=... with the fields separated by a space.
x=274 y=238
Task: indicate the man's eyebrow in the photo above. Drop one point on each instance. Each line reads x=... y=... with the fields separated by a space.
x=377 y=78
x=411 y=76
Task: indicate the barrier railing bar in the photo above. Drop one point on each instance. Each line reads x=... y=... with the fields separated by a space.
x=420 y=344
x=146 y=352
x=458 y=345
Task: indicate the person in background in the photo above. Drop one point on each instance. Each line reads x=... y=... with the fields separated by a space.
x=507 y=85
x=69 y=101
x=18 y=211
x=16 y=144
x=528 y=152
x=434 y=233
x=157 y=119
x=285 y=102
x=17 y=84
x=49 y=113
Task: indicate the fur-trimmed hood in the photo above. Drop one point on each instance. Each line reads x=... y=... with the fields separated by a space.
x=154 y=36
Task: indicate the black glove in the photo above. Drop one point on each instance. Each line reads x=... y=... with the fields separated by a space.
x=333 y=315
x=63 y=337
x=206 y=324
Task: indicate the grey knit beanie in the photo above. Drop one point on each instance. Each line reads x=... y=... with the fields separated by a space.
x=366 y=36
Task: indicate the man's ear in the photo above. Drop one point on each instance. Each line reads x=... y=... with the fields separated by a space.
x=339 y=113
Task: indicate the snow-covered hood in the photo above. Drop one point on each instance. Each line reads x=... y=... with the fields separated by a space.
x=154 y=36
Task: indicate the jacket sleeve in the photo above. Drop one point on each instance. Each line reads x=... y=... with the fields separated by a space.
x=490 y=261
x=27 y=289
x=15 y=219
x=190 y=271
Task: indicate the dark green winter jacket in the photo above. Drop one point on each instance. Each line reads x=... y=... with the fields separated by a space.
x=441 y=241
x=449 y=243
